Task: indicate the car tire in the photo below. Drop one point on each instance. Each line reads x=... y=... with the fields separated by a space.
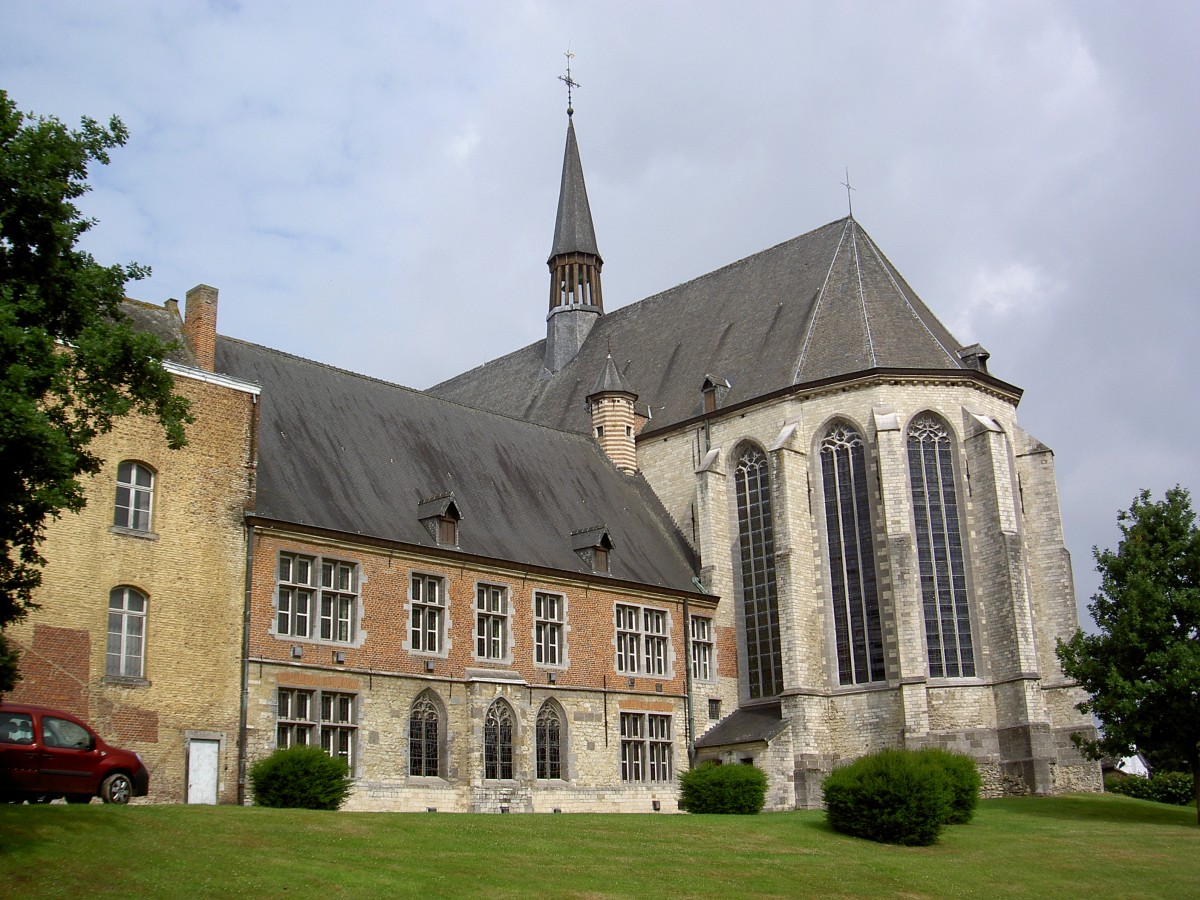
x=79 y=798
x=117 y=788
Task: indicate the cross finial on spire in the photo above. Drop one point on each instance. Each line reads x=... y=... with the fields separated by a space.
x=846 y=185
x=569 y=82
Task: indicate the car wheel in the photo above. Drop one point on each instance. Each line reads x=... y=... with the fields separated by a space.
x=79 y=798
x=117 y=788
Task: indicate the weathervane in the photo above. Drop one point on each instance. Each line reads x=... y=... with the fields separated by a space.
x=569 y=82
x=846 y=185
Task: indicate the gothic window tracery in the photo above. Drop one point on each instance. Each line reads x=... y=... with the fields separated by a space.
x=498 y=741
x=760 y=603
x=858 y=634
x=549 y=742
x=939 y=549
x=423 y=739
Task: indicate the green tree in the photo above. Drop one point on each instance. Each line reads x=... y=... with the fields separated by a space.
x=69 y=365
x=1142 y=670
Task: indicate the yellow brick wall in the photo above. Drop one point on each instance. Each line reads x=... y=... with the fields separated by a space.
x=190 y=566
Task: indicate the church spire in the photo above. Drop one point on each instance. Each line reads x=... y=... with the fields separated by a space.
x=576 y=301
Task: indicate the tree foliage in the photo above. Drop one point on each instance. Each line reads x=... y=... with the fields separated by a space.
x=69 y=365
x=1142 y=670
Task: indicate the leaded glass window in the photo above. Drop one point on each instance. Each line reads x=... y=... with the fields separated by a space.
x=549 y=742
x=423 y=752
x=760 y=604
x=498 y=741
x=939 y=549
x=858 y=634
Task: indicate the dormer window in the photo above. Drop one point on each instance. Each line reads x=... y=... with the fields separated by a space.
x=594 y=546
x=440 y=516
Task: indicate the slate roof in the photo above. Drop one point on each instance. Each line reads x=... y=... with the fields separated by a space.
x=573 y=230
x=823 y=304
x=163 y=322
x=349 y=453
x=744 y=726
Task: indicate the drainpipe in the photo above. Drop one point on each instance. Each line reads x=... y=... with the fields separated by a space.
x=245 y=698
x=687 y=664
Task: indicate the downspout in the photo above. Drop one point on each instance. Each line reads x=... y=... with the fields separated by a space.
x=245 y=699
x=687 y=669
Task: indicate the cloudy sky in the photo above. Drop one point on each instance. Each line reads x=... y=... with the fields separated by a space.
x=373 y=185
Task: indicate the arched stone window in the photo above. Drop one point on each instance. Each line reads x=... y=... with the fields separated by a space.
x=424 y=748
x=549 y=741
x=498 y=741
x=939 y=549
x=760 y=603
x=125 y=656
x=858 y=635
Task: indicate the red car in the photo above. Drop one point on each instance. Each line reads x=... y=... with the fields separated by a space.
x=46 y=754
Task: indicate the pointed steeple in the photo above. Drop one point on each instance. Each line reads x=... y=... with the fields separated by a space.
x=576 y=301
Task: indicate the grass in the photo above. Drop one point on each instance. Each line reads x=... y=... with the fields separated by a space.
x=1090 y=846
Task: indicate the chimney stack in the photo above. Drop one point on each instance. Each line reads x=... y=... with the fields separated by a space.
x=200 y=325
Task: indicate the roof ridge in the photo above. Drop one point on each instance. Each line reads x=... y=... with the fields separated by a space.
x=887 y=267
x=411 y=390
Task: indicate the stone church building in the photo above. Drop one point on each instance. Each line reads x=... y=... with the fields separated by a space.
x=777 y=515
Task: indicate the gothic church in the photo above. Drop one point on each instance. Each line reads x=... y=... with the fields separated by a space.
x=775 y=515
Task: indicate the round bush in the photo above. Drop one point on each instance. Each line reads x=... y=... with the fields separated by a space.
x=300 y=778
x=893 y=796
x=964 y=779
x=714 y=788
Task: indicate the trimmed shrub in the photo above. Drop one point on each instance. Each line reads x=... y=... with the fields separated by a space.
x=964 y=779
x=300 y=778
x=893 y=796
x=714 y=788
x=1161 y=787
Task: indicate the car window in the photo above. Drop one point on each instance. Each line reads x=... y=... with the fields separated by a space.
x=62 y=733
x=16 y=728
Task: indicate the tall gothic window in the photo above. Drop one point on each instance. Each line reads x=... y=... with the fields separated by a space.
x=939 y=549
x=423 y=750
x=549 y=742
x=497 y=741
x=857 y=630
x=760 y=604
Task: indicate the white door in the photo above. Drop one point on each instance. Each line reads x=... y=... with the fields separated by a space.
x=202 y=771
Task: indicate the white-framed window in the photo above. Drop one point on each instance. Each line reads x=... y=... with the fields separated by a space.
x=135 y=496
x=305 y=717
x=427 y=594
x=645 y=748
x=126 y=651
x=549 y=628
x=491 y=621
x=702 y=649
x=629 y=638
x=331 y=602
x=642 y=640
x=294 y=724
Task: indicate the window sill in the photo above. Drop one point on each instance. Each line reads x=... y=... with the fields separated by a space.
x=134 y=533
x=126 y=681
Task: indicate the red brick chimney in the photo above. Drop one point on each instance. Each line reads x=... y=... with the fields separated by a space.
x=200 y=325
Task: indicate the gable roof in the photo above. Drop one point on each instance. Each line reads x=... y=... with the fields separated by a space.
x=348 y=453
x=824 y=304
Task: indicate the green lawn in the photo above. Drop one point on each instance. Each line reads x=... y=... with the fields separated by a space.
x=1081 y=846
